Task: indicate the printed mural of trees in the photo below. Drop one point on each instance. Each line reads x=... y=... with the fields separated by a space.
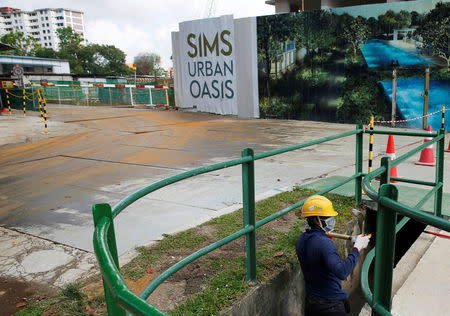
x=434 y=31
x=273 y=30
x=355 y=32
x=325 y=39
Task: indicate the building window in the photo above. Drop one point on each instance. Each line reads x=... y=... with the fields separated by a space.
x=45 y=44
x=46 y=18
x=45 y=37
x=50 y=38
x=50 y=43
x=43 y=24
x=47 y=24
x=42 y=18
x=43 y=31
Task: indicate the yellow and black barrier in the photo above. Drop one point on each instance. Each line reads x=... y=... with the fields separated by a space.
x=20 y=98
x=43 y=103
x=17 y=98
x=370 y=145
x=9 y=104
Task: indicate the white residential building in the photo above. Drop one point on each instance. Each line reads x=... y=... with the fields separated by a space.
x=41 y=23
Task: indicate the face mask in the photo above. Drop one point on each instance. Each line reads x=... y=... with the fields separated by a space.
x=330 y=222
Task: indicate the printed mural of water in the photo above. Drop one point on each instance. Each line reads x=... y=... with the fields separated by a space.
x=378 y=53
x=410 y=100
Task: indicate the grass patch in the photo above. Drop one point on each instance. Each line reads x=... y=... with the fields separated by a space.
x=135 y=269
x=70 y=301
x=223 y=288
x=225 y=280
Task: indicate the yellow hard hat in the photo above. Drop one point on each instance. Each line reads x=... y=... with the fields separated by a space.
x=318 y=205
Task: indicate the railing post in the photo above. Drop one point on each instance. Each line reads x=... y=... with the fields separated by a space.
x=439 y=174
x=248 y=199
x=99 y=211
x=385 y=249
x=358 y=164
x=385 y=177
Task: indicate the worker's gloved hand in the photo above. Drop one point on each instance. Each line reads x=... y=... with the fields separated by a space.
x=362 y=241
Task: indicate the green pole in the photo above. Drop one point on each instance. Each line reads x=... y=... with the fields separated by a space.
x=99 y=211
x=358 y=164
x=248 y=197
x=439 y=173
x=385 y=246
x=385 y=177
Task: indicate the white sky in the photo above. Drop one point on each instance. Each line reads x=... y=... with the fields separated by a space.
x=137 y=26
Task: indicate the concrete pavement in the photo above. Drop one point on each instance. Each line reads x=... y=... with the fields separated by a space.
x=100 y=154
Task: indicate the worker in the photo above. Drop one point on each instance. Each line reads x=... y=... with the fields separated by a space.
x=322 y=267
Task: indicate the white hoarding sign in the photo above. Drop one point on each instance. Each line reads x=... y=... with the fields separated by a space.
x=208 y=66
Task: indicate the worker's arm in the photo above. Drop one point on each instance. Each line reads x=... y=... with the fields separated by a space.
x=334 y=263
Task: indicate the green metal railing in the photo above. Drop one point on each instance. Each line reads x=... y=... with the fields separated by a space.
x=387 y=227
x=119 y=298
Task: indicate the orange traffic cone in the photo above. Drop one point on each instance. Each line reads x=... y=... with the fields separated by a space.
x=4 y=110
x=427 y=154
x=390 y=152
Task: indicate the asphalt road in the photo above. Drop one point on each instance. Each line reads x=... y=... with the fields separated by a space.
x=101 y=154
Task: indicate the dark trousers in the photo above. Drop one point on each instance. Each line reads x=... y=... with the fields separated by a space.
x=318 y=306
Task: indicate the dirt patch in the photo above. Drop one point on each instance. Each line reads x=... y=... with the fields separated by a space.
x=284 y=223
x=15 y=294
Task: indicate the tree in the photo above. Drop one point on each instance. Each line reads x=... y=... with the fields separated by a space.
x=434 y=31
x=92 y=58
x=149 y=64
x=68 y=38
x=45 y=52
x=104 y=59
x=23 y=45
x=70 y=48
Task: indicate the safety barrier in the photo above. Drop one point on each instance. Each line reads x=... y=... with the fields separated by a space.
x=28 y=100
x=108 y=94
x=20 y=99
x=119 y=298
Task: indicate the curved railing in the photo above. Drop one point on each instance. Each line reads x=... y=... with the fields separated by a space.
x=119 y=298
x=387 y=227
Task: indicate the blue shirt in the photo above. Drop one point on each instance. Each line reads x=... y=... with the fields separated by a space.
x=323 y=268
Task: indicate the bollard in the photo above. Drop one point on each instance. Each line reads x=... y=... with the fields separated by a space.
x=24 y=107
x=40 y=105
x=7 y=100
x=45 y=113
x=370 y=145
